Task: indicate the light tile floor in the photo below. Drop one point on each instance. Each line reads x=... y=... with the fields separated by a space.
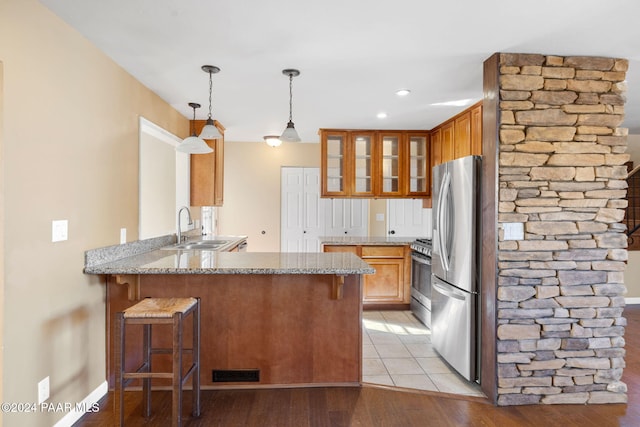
x=397 y=351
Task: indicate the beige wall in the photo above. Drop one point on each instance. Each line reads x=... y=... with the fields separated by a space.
x=632 y=272
x=377 y=228
x=1 y=234
x=71 y=147
x=252 y=189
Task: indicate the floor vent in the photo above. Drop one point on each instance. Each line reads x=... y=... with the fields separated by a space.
x=236 y=375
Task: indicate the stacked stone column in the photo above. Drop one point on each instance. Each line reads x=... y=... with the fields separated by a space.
x=562 y=173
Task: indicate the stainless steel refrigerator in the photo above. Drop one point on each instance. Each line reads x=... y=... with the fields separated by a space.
x=455 y=264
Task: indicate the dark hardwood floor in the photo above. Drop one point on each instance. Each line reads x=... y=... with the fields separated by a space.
x=377 y=406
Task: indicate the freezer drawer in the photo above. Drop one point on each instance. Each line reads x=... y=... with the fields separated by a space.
x=453 y=326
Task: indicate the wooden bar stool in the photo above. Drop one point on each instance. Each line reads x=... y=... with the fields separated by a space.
x=154 y=311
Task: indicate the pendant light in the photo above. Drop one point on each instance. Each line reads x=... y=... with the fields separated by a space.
x=210 y=131
x=193 y=144
x=290 y=134
x=272 y=140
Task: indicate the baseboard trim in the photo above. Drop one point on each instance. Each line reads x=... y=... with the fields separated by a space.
x=88 y=402
x=632 y=301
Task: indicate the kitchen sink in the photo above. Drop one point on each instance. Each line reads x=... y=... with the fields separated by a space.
x=201 y=245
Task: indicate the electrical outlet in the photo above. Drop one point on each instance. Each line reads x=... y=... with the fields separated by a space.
x=59 y=230
x=123 y=236
x=43 y=390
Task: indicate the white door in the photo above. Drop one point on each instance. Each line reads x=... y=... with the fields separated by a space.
x=347 y=217
x=301 y=222
x=313 y=221
x=407 y=218
x=292 y=209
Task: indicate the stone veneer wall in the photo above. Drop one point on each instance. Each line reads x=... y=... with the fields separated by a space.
x=561 y=173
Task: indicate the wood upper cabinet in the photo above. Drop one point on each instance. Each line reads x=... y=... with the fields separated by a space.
x=391 y=153
x=448 y=142
x=333 y=159
x=360 y=163
x=207 y=170
x=459 y=136
x=418 y=167
x=462 y=135
x=436 y=146
x=369 y=163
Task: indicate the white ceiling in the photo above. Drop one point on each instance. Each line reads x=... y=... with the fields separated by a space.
x=353 y=54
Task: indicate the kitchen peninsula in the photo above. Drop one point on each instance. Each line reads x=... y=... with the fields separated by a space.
x=268 y=319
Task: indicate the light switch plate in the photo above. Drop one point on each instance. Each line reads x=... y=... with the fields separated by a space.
x=123 y=236
x=513 y=231
x=59 y=230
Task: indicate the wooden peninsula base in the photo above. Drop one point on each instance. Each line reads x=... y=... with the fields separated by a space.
x=295 y=329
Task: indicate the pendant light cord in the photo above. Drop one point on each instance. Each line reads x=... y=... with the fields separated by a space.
x=290 y=95
x=210 y=90
x=192 y=130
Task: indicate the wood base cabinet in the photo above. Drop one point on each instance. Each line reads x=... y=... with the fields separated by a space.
x=390 y=286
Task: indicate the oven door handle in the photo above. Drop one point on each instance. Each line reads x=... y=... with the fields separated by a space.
x=421 y=260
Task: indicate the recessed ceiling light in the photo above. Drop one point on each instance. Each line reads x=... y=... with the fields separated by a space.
x=403 y=92
x=382 y=115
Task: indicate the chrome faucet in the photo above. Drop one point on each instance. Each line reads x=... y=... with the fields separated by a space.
x=180 y=237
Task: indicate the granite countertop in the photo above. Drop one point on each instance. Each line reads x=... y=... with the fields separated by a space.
x=367 y=240
x=211 y=262
x=151 y=256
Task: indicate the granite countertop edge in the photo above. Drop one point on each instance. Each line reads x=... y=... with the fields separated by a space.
x=244 y=270
x=367 y=240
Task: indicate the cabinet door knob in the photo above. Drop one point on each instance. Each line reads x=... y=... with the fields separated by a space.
x=392 y=232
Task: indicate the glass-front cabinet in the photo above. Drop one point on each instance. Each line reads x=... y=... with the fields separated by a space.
x=334 y=151
x=375 y=163
x=362 y=162
x=419 y=166
x=390 y=149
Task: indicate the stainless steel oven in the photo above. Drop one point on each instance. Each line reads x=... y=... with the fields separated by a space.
x=421 y=280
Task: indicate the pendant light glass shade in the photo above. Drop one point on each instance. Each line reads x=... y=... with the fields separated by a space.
x=193 y=144
x=209 y=131
x=290 y=134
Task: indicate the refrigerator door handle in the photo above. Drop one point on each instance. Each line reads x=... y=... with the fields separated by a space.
x=451 y=293
x=442 y=208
